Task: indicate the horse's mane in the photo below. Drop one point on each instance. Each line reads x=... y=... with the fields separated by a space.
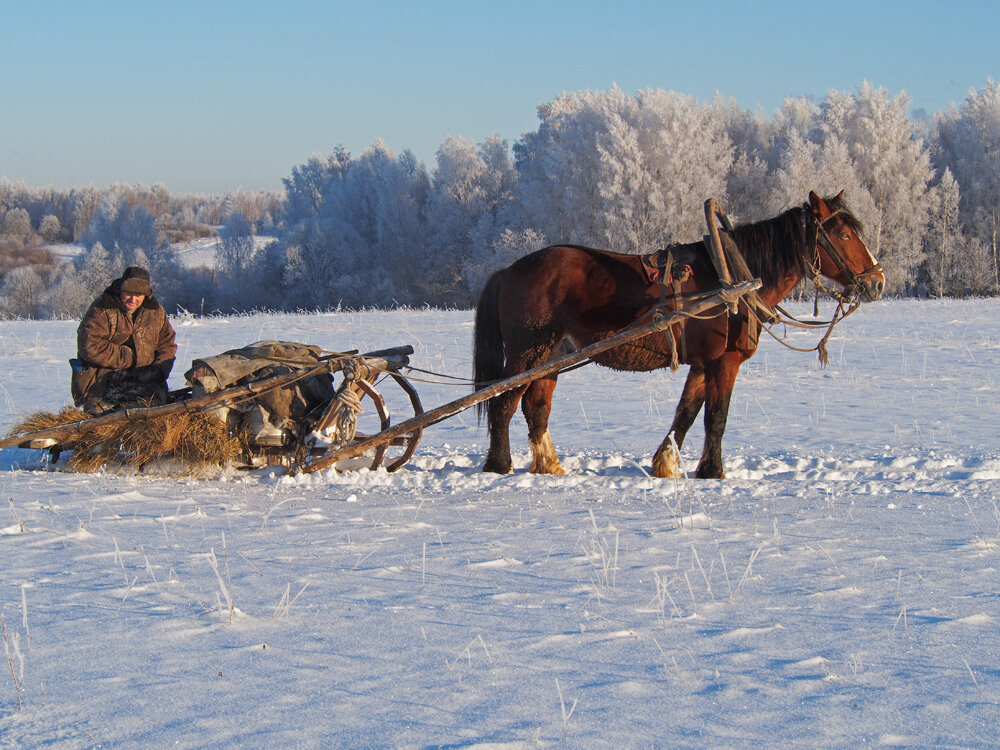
x=773 y=248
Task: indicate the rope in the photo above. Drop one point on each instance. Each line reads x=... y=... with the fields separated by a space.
x=346 y=423
x=458 y=379
x=820 y=347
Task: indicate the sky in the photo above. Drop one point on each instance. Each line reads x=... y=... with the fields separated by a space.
x=209 y=97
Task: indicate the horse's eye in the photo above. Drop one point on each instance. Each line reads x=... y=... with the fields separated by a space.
x=845 y=236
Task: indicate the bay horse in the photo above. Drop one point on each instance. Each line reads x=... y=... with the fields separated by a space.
x=564 y=297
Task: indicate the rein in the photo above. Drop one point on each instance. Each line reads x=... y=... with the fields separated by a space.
x=844 y=308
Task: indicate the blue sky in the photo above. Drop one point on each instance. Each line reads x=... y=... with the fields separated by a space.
x=212 y=96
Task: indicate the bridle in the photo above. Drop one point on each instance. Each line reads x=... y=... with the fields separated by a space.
x=815 y=227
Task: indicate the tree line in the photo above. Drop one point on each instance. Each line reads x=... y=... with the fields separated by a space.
x=627 y=172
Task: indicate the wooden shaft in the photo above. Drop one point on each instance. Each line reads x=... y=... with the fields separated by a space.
x=712 y=210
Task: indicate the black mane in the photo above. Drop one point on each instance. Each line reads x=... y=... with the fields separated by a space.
x=774 y=248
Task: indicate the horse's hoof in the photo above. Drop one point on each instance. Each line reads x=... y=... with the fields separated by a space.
x=666 y=465
x=494 y=467
x=548 y=469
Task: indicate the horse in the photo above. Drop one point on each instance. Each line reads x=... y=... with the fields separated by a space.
x=564 y=297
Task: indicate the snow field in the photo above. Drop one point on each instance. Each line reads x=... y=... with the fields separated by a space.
x=839 y=588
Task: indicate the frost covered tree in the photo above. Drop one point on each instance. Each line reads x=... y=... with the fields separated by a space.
x=234 y=253
x=130 y=236
x=50 y=228
x=97 y=268
x=825 y=167
x=625 y=172
x=969 y=145
x=752 y=137
x=17 y=223
x=559 y=167
x=356 y=233
x=22 y=294
x=797 y=120
x=238 y=284
x=472 y=191
x=79 y=283
x=943 y=240
x=81 y=206
x=893 y=164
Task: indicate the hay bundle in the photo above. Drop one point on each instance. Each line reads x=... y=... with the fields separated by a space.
x=42 y=420
x=194 y=439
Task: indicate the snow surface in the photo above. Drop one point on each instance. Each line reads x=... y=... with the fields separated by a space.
x=840 y=588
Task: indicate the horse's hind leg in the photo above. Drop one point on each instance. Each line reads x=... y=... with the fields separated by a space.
x=536 y=405
x=719 y=383
x=500 y=410
x=666 y=460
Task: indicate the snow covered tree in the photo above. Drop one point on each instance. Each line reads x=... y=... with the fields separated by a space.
x=50 y=228
x=355 y=232
x=22 y=293
x=752 y=138
x=969 y=145
x=472 y=190
x=893 y=165
x=974 y=274
x=625 y=172
x=17 y=223
x=82 y=205
x=306 y=189
x=234 y=253
x=944 y=239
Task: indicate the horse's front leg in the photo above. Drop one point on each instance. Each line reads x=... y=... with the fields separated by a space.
x=666 y=460
x=720 y=377
x=537 y=405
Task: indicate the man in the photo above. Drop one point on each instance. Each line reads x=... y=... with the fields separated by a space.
x=125 y=347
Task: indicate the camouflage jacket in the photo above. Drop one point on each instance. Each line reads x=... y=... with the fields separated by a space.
x=110 y=340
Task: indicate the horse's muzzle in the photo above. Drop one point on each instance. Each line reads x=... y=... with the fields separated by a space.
x=870 y=284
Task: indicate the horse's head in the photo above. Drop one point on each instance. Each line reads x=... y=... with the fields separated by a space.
x=841 y=254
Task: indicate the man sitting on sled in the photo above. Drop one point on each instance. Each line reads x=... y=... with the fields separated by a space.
x=125 y=347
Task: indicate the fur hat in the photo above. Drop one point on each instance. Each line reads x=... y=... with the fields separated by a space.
x=135 y=280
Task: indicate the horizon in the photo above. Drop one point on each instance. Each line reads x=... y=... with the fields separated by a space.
x=209 y=99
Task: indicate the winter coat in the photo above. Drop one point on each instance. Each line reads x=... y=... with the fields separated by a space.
x=110 y=340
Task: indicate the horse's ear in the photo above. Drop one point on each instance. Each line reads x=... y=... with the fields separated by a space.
x=840 y=197
x=819 y=206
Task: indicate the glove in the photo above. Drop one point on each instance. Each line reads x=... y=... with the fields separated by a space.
x=129 y=346
x=149 y=374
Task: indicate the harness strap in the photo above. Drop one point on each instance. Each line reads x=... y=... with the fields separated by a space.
x=675 y=281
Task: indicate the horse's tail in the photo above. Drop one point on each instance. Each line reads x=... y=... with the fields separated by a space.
x=487 y=356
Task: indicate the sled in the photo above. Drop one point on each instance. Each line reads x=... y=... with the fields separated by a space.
x=281 y=397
